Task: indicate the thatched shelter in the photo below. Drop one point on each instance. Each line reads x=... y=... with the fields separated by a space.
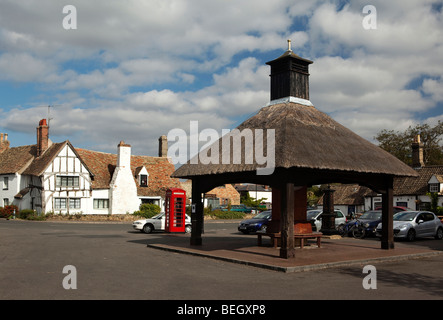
x=308 y=148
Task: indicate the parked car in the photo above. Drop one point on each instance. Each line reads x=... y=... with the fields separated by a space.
x=314 y=216
x=370 y=220
x=258 y=223
x=239 y=208
x=397 y=209
x=157 y=223
x=415 y=224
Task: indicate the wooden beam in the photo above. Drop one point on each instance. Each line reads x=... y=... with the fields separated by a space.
x=287 y=249
x=196 y=214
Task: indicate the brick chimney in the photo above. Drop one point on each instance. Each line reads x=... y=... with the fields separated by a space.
x=289 y=76
x=163 y=146
x=417 y=153
x=42 y=137
x=4 y=143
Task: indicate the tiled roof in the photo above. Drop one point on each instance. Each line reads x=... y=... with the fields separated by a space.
x=102 y=165
x=39 y=165
x=22 y=159
x=251 y=187
x=348 y=194
x=17 y=159
x=160 y=171
x=413 y=186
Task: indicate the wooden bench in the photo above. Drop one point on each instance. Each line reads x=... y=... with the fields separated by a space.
x=301 y=231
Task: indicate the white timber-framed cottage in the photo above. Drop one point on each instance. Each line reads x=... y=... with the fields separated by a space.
x=57 y=177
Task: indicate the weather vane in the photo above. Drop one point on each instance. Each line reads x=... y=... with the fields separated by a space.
x=289 y=45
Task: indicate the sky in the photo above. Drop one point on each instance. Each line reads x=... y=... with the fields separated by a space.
x=134 y=70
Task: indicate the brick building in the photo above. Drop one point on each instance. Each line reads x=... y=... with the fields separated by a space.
x=219 y=196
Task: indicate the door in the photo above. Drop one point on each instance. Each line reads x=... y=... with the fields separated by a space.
x=425 y=224
x=159 y=222
x=429 y=224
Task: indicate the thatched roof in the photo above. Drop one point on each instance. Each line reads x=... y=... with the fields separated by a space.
x=305 y=138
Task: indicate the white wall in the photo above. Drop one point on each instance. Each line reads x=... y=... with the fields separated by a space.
x=123 y=189
x=66 y=164
x=12 y=188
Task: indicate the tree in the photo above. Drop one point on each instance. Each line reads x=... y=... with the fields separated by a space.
x=399 y=143
x=251 y=202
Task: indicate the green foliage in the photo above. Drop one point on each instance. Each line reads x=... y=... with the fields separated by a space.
x=25 y=213
x=251 y=202
x=147 y=210
x=399 y=143
x=314 y=193
x=218 y=214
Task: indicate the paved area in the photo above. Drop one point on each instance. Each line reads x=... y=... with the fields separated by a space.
x=334 y=251
x=113 y=261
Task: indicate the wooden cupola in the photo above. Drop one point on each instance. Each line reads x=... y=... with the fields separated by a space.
x=289 y=76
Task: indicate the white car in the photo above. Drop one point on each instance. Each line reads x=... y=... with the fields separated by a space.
x=315 y=217
x=157 y=222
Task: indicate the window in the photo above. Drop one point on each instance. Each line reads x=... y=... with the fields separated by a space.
x=5 y=202
x=59 y=203
x=74 y=203
x=101 y=203
x=434 y=187
x=5 y=183
x=67 y=181
x=143 y=180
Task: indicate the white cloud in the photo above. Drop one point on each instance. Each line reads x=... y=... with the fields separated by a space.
x=23 y=67
x=434 y=88
x=134 y=70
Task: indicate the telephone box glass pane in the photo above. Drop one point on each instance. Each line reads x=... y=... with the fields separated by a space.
x=178 y=210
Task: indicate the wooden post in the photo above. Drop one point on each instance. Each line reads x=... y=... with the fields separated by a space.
x=274 y=224
x=300 y=203
x=196 y=214
x=387 y=218
x=287 y=249
x=328 y=215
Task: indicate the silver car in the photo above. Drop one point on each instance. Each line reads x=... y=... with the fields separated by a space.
x=415 y=224
x=314 y=216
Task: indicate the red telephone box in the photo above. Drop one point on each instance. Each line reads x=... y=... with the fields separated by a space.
x=175 y=212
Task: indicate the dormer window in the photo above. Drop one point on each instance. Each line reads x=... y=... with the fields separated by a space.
x=434 y=187
x=143 y=180
x=142 y=176
x=435 y=183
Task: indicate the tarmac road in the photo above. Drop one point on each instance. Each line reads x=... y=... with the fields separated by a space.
x=112 y=261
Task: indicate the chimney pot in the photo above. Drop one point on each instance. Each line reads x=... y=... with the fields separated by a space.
x=163 y=146
x=417 y=153
x=4 y=143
